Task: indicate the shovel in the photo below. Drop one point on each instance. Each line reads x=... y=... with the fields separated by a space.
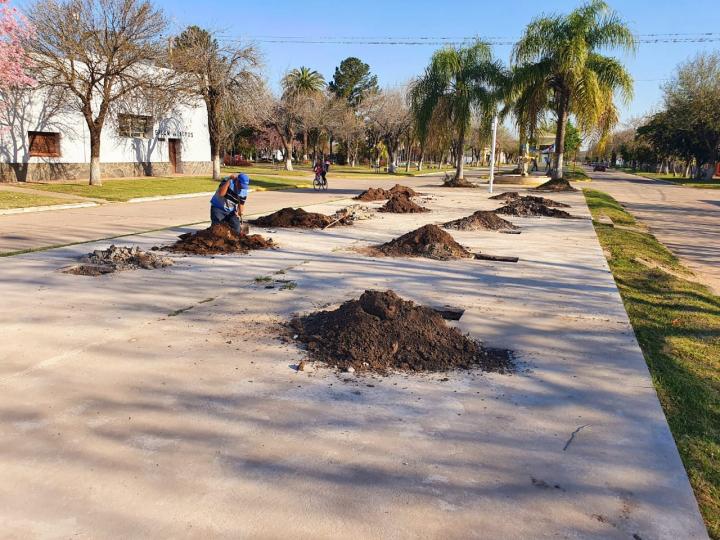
x=244 y=227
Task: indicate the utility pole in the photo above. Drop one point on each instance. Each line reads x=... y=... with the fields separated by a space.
x=492 y=151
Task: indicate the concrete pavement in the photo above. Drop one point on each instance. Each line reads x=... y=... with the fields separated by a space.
x=54 y=228
x=685 y=219
x=122 y=419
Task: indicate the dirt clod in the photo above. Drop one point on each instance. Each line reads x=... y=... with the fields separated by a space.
x=294 y=217
x=480 y=220
x=400 y=203
x=559 y=184
x=428 y=241
x=381 y=332
x=116 y=259
x=218 y=239
x=511 y=196
x=452 y=181
x=397 y=188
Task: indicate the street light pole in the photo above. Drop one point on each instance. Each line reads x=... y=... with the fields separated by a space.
x=492 y=151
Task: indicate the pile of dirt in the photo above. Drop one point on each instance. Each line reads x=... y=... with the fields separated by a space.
x=530 y=208
x=555 y=185
x=399 y=203
x=452 y=181
x=373 y=194
x=380 y=194
x=115 y=259
x=481 y=220
x=381 y=332
x=296 y=217
x=397 y=188
x=512 y=196
x=428 y=241
x=219 y=239
x=354 y=212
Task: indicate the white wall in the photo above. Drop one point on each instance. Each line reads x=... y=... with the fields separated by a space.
x=37 y=110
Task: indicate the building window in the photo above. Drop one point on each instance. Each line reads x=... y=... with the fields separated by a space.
x=44 y=144
x=136 y=126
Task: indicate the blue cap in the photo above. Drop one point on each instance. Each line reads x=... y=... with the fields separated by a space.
x=244 y=180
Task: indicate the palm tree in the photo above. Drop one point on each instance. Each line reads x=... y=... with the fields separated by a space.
x=303 y=86
x=559 y=52
x=461 y=81
x=528 y=100
x=302 y=81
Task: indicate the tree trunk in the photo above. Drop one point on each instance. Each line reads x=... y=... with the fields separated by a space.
x=305 y=145
x=420 y=160
x=391 y=157
x=95 y=173
x=562 y=118
x=216 y=166
x=460 y=156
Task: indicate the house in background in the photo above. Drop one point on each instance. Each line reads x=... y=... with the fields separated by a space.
x=42 y=140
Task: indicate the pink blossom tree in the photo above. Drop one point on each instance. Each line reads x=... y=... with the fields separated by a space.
x=14 y=28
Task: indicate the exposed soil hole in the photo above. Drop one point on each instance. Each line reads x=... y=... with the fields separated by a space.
x=115 y=259
x=399 y=203
x=297 y=217
x=219 y=239
x=380 y=194
x=528 y=208
x=511 y=196
x=427 y=241
x=480 y=220
x=381 y=332
x=350 y=214
x=555 y=185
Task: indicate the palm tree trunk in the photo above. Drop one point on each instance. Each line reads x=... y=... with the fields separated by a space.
x=562 y=115
x=460 y=155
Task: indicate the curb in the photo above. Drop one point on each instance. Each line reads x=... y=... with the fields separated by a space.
x=31 y=209
x=170 y=197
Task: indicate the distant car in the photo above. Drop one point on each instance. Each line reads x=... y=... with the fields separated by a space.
x=600 y=168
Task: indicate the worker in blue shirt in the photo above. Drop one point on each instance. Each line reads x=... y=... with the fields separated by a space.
x=226 y=206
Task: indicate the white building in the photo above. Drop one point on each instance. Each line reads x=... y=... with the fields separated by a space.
x=43 y=139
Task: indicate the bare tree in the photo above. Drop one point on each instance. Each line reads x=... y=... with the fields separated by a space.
x=101 y=51
x=225 y=78
x=389 y=116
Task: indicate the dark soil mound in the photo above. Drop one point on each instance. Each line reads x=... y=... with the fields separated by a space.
x=380 y=194
x=454 y=182
x=507 y=196
x=529 y=208
x=480 y=220
x=373 y=194
x=219 y=239
x=294 y=217
x=427 y=241
x=397 y=188
x=400 y=203
x=555 y=185
x=512 y=196
x=381 y=332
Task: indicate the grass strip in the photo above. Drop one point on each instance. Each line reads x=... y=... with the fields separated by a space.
x=15 y=199
x=677 y=324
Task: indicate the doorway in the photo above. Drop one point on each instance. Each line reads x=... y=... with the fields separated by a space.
x=174 y=150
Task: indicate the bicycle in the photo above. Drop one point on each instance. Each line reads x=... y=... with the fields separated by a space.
x=319 y=183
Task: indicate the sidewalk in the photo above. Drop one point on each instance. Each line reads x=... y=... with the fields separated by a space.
x=24 y=232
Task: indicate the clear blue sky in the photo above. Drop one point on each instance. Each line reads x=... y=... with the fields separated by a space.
x=395 y=65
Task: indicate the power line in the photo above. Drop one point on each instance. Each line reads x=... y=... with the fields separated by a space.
x=697 y=37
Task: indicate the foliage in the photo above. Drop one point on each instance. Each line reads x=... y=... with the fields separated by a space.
x=460 y=82
x=14 y=29
x=677 y=324
x=573 y=139
x=302 y=81
x=353 y=81
x=560 y=53
x=225 y=79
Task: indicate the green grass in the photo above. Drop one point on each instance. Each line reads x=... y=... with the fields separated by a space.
x=123 y=189
x=677 y=323
x=15 y=199
x=690 y=182
x=576 y=175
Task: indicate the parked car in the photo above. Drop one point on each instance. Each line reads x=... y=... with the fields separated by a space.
x=600 y=168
